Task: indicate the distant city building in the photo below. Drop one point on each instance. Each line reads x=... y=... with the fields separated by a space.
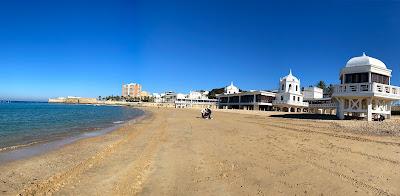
x=144 y=94
x=131 y=90
x=365 y=91
x=289 y=97
x=169 y=97
x=195 y=99
x=157 y=98
x=186 y=102
x=231 y=89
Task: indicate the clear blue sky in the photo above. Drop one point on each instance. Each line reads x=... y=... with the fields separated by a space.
x=88 y=48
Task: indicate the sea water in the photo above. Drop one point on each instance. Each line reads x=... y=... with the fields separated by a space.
x=23 y=124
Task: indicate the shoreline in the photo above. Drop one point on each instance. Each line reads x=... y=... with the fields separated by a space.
x=22 y=151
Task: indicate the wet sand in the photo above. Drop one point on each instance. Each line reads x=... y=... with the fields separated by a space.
x=174 y=152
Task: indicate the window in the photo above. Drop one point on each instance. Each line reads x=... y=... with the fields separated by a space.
x=294 y=98
x=297 y=87
x=290 y=86
x=378 y=78
x=356 y=78
x=298 y=98
x=247 y=99
x=283 y=87
x=264 y=98
x=281 y=98
x=234 y=99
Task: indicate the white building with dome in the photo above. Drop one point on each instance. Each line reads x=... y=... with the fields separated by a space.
x=365 y=89
x=289 y=97
x=231 y=89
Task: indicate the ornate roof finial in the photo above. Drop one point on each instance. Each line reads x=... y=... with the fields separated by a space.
x=290 y=71
x=364 y=54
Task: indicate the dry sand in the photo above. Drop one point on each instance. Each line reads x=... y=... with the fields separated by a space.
x=174 y=152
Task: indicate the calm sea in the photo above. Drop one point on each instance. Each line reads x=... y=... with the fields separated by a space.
x=24 y=124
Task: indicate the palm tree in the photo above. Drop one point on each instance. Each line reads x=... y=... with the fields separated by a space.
x=321 y=84
x=329 y=90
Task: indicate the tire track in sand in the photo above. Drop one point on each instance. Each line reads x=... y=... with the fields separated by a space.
x=295 y=128
x=355 y=182
x=132 y=182
x=344 y=149
x=352 y=180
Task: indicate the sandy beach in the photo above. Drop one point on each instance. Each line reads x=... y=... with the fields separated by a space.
x=174 y=152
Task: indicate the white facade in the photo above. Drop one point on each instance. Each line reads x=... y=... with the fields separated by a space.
x=169 y=97
x=365 y=89
x=195 y=99
x=180 y=96
x=198 y=95
x=312 y=93
x=157 y=98
x=289 y=97
x=231 y=89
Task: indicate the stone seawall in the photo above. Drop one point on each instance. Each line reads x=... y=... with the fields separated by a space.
x=74 y=100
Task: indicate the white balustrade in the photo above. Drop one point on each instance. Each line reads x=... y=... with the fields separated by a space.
x=381 y=89
x=290 y=102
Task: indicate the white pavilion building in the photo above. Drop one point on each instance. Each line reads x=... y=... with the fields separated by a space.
x=289 y=97
x=365 y=89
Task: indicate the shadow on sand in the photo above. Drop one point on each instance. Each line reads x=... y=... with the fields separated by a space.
x=307 y=116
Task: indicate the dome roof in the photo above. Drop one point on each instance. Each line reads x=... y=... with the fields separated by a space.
x=365 y=60
x=290 y=77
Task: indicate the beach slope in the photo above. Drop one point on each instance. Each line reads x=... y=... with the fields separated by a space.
x=174 y=152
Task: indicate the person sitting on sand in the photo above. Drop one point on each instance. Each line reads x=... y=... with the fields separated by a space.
x=203 y=113
x=206 y=113
x=209 y=112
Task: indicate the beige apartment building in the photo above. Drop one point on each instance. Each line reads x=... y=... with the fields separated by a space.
x=131 y=90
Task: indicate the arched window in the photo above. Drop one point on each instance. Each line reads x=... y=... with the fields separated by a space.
x=298 y=98
x=294 y=98
x=283 y=87
x=281 y=98
x=290 y=86
x=297 y=87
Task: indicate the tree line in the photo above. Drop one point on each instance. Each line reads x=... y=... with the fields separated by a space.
x=327 y=89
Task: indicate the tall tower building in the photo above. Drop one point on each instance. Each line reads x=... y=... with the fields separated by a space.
x=131 y=90
x=289 y=97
